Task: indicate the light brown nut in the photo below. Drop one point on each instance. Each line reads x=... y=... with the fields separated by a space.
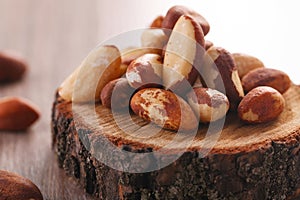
x=245 y=63
x=157 y=22
x=208 y=44
x=17 y=114
x=210 y=105
x=164 y=108
x=219 y=72
x=132 y=53
x=117 y=94
x=266 y=77
x=175 y=12
x=12 y=66
x=262 y=104
x=154 y=38
x=145 y=71
x=184 y=49
x=16 y=187
x=102 y=65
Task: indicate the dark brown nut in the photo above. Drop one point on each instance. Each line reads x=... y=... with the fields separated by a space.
x=157 y=22
x=117 y=94
x=208 y=44
x=246 y=63
x=266 y=77
x=210 y=105
x=164 y=108
x=219 y=72
x=145 y=71
x=16 y=187
x=17 y=114
x=12 y=66
x=184 y=49
x=262 y=104
x=198 y=82
x=176 y=12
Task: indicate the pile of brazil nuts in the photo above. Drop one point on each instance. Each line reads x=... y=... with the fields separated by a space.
x=177 y=79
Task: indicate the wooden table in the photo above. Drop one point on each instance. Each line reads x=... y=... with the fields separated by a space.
x=55 y=36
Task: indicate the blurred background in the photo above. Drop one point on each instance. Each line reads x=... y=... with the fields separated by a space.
x=54 y=36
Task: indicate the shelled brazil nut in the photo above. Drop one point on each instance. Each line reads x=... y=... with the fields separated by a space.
x=178 y=79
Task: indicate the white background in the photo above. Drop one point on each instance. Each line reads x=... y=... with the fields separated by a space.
x=267 y=29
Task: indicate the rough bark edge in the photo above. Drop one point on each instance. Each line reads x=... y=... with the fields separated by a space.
x=269 y=173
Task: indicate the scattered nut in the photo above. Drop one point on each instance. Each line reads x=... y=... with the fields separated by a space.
x=164 y=108
x=245 y=63
x=157 y=22
x=208 y=44
x=262 y=104
x=17 y=114
x=116 y=94
x=102 y=65
x=184 y=49
x=210 y=105
x=16 y=187
x=175 y=12
x=266 y=77
x=12 y=66
x=219 y=72
x=154 y=38
x=145 y=71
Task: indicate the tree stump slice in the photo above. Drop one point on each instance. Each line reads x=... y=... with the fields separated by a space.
x=247 y=162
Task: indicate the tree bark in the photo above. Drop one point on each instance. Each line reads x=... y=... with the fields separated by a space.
x=248 y=162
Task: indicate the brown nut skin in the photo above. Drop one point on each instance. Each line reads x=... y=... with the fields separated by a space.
x=246 y=63
x=157 y=22
x=208 y=44
x=266 y=77
x=17 y=114
x=117 y=94
x=12 y=66
x=145 y=71
x=210 y=105
x=175 y=12
x=16 y=187
x=219 y=72
x=184 y=51
x=260 y=105
x=164 y=108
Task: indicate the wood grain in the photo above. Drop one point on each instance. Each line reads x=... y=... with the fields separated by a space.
x=246 y=162
x=235 y=137
x=54 y=36
x=50 y=35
